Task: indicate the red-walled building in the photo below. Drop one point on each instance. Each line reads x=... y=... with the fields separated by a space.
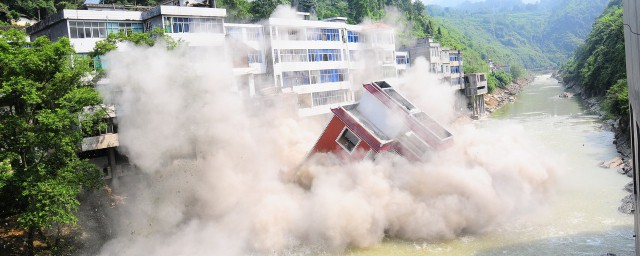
x=383 y=120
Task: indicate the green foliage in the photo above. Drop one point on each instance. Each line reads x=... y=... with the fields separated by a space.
x=237 y=10
x=262 y=9
x=600 y=62
x=535 y=36
x=498 y=78
x=42 y=94
x=518 y=72
x=492 y=82
x=616 y=102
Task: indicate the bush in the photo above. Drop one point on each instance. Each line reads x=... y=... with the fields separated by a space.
x=616 y=102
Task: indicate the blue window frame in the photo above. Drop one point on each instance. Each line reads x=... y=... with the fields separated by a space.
x=353 y=37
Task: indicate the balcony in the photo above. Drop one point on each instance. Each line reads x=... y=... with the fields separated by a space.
x=108 y=140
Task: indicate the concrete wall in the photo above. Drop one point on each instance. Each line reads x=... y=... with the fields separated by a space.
x=632 y=52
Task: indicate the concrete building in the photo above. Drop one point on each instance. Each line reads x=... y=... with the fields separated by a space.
x=362 y=130
x=314 y=62
x=475 y=87
x=319 y=61
x=447 y=64
x=631 y=10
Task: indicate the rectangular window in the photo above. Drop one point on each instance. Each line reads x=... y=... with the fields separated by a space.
x=235 y=33
x=348 y=140
x=328 y=98
x=192 y=25
x=100 y=29
x=293 y=55
x=401 y=60
x=254 y=34
x=255 y=57
x=455 y=69
x=295 y=78
x=324 y=55
x=353 y=37
x=328 y=76
x=323 y=34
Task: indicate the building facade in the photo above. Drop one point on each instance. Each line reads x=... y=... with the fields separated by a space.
x=631 y=10
x=446 y=63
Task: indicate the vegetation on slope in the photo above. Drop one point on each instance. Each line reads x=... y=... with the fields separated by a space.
x=537 y=36
x=599 y=64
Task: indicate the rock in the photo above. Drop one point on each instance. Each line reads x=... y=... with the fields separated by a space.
x=627 y=204
x=630 y=174
x=566 y=95
x=615 y=162
x=629 y=187
x=622 y=171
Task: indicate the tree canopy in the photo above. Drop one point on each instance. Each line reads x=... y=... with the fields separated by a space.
x=43 y=92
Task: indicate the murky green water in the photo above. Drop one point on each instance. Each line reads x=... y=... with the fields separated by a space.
x=582 y=216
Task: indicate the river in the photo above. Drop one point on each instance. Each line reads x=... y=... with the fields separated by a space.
x=581 y=217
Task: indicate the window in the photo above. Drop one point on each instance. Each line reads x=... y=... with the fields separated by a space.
x=254 y=34
x=100 y=29
x=324 y=55
x=192 y=25
x=327 y=98
x=295 y=78
x=401 y=59
x=353 y=37
x=327 y=76
x=323 y=34
x=454 y=57
x=348 y=140
x=255 y=57
x=234 y=32
x=293 y=55
x=455 y=69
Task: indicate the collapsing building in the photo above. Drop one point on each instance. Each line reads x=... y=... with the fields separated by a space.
x=382 y=121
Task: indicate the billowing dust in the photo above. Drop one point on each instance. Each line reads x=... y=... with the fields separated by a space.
x=219 y=170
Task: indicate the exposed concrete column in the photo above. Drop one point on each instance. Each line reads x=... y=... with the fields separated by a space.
x=115 y=173
x=252 y=85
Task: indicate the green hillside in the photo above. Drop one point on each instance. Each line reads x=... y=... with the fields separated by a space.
x=599 y=64
x=538 y=36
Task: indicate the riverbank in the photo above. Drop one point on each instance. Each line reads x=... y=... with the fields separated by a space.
x=623 y=164
x=501 y=96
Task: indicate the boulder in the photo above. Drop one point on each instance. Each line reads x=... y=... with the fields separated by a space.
x=615 y=162
x=627 y=204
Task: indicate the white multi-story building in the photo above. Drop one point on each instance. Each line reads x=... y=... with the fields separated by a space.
x=321 y=61
x=317 y=63
x=446 y=63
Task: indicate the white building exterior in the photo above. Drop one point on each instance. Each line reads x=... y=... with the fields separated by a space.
x=446 y=63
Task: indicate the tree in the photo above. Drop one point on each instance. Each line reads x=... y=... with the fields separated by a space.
x=262 y=9
x=43 y=92
x=110 y=43
x=517 y=72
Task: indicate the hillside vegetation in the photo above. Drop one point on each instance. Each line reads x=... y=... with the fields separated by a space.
x=537 y=36
x=599 y=64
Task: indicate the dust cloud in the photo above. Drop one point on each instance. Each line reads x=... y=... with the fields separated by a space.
x=216 y=168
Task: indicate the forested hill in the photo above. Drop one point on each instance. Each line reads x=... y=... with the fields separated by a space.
x=598 y=65
x=538 y=36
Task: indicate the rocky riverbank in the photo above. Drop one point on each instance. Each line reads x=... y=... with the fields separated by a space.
x=622 y=163
x=501 y=96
